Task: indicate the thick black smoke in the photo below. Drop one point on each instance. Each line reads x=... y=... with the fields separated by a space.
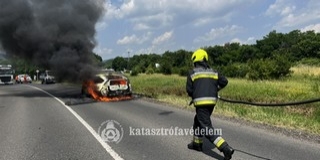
x=54 y=34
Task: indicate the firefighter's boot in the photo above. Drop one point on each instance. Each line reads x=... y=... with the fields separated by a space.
x=227 y=152
x=223 y=146
x=196 y=144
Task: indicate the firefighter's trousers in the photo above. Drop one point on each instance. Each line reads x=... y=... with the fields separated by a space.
x=202 y=123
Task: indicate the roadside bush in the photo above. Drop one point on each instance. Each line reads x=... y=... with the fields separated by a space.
x=175 y=70
x=149 y=70
x=157 y=70
x=138 y=69
x=275 y=68
x=310 y=61
x=260 y=69
x=282 y=66
x=134 y=72
x=235 y=70
x=183 y=71
x=166 y=69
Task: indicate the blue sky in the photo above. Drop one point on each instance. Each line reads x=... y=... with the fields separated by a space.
x=156 y=26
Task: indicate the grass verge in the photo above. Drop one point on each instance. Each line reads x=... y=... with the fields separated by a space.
x=171 y=89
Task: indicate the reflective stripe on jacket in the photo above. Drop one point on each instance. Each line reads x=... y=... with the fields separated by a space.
x=203 y=85
x=205 y=101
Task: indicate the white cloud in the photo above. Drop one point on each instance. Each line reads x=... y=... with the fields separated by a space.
x=101 y=25
x=206 y=22
x=151 y=49
x=250 y=40
x=141 y=26
x=133 y=39
x=148 y=50
x=148 y=14
x=293 y=20
x=153 y=21
x=202 y=21
x=162 y=38
x=282 y=7
x=314 y=27
x=236 y=40
x=128 y=40
x=112 y=11
x=287 y=10
x=102 y=51
x=292 y=17
x=216 y=33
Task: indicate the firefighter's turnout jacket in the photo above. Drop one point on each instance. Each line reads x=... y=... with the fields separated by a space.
x=203 y=84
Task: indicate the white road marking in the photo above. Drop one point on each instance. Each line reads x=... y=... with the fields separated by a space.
x=108 y=148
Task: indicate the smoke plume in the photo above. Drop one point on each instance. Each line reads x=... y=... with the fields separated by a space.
x=53 y=34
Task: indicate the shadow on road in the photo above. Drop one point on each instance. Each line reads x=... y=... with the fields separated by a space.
x=208 y=148
x=251 y=154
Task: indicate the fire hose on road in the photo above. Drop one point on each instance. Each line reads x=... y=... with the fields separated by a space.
x=268 y=104
x=271 y=104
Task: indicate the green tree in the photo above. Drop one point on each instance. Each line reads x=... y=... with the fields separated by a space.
x=309 y=45
x=238 y=70
x=214 y=54
x=107 y=63
x=271 y=56
x=150 y=69
x=282 y=64
x=275 y=67
x=119 y=64
x=166 y=68
x=248 y=52
x=270 y=43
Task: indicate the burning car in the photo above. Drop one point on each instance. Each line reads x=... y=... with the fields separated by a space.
x=107 y=86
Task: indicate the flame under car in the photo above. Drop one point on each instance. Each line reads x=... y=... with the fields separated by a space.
x=108 y=87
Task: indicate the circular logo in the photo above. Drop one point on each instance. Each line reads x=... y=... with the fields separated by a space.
x=111 y=131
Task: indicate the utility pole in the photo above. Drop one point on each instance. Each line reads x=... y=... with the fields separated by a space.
x=128 y=60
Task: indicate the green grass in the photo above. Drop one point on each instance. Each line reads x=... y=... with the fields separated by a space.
x=171 y=89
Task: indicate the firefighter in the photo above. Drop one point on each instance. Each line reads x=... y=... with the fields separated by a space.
x=203 y=84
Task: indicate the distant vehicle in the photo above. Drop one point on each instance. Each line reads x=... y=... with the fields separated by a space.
x=107 y=84
x=23 y=78
x=41 y=76
x=48 y=78
x=6 y=74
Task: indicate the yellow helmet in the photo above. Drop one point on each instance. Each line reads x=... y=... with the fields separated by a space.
x=199 y=55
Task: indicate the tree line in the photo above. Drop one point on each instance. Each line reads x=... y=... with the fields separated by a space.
x=270 y=58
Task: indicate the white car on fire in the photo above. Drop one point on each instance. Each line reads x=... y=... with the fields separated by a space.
x=108 y=84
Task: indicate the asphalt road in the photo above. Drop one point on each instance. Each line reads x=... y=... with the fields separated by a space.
x=35 y=125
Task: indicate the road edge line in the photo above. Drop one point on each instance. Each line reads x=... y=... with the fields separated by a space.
x=108 y=148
